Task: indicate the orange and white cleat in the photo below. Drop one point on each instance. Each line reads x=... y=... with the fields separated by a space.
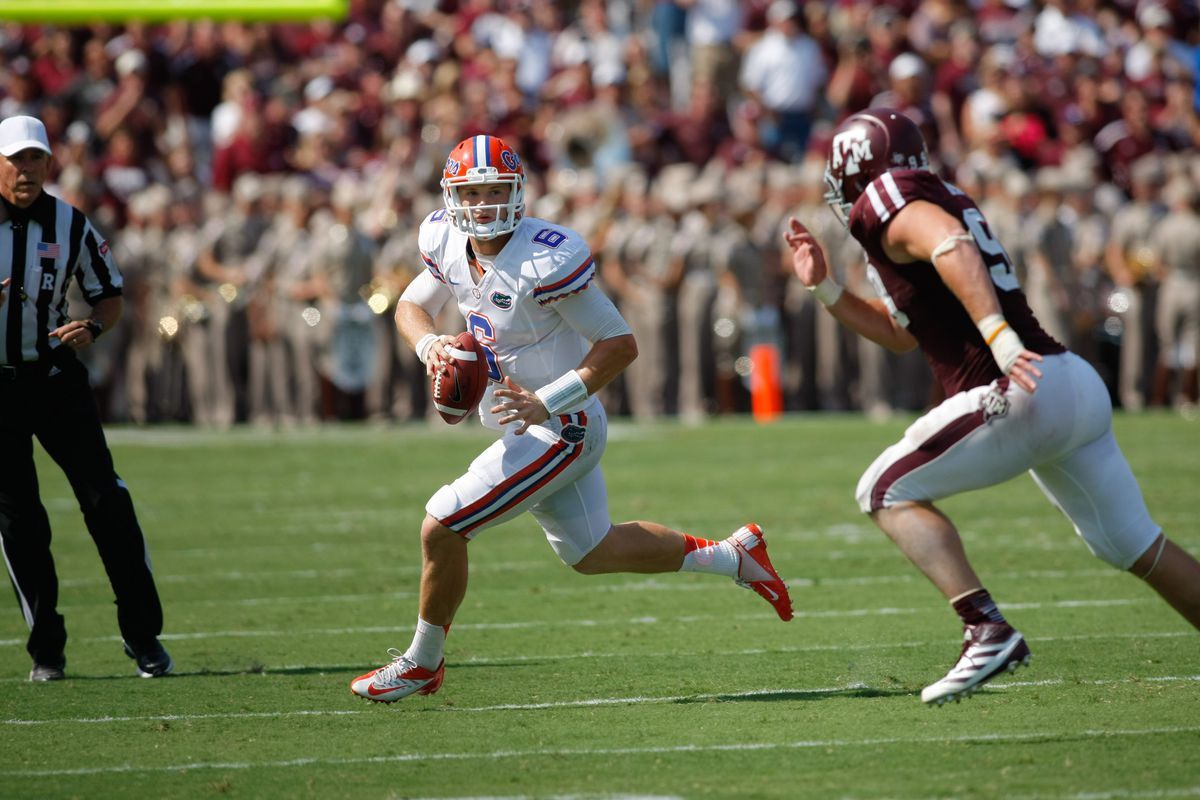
x=756 y=572
x=398 y=679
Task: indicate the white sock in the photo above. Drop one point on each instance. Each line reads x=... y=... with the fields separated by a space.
x=706 y=555
x=428 y=644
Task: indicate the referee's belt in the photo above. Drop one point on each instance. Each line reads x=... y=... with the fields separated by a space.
x=59 y=357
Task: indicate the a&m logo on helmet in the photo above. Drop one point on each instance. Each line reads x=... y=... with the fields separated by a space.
x=452 y=166
x=510 y=160
x=850 y=147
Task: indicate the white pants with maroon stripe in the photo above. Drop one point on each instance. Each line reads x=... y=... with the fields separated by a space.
x=1061 y=434
x=551 y=470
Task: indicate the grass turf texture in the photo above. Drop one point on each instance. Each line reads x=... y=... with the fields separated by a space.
x=289 y=563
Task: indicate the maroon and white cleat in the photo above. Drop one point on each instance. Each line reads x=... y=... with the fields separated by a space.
x=989 y=649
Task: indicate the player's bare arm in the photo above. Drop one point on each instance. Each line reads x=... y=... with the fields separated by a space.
x=867 y=318
x=921 y=231
x=606 y=360
x=415 y=324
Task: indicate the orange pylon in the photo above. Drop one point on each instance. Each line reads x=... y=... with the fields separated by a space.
x=766 y=389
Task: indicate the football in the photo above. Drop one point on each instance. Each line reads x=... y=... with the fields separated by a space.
x=457 y=393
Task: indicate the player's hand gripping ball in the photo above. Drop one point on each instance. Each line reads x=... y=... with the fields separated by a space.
x=457 y=392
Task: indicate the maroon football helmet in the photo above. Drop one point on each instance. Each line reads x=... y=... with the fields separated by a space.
x=864 y=147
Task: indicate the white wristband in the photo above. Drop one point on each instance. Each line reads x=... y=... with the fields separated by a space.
x=827 y=291
x=423 y=345
x=1004 y=342
x=563 y=393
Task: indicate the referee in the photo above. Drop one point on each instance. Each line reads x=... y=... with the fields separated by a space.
x=45 y=244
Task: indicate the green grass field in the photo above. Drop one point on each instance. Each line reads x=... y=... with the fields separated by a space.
x=288 y=564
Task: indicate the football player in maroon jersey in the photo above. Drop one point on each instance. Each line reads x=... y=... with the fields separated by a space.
x=1017 y=400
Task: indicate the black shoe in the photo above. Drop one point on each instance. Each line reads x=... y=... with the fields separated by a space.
x=48 y=672
x=153 y=661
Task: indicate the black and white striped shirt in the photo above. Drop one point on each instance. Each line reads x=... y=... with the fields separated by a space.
x=42 y=249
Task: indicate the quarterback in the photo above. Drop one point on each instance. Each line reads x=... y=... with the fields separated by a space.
x=1016 y=399
x=551 y=339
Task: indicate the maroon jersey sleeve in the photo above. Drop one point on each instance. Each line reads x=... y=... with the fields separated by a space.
x=915 y=294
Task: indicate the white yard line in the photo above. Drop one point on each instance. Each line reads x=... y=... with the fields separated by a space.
x=1115 y=794
x=751 y=651
x=254 y=602
x=301 y=574
x=587 y=752
x=664 y=584
x=558 y=797
x=585 y=703
x=406 y=627
x=1118 y=794
x=776 y=650
x=591 y=702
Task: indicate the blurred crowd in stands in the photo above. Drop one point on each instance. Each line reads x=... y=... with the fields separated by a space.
x=262 y=184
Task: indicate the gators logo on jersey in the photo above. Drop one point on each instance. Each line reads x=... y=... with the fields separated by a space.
x=502 y=301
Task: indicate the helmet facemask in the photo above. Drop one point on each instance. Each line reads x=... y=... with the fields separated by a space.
x=507 y=214
x=836 y=198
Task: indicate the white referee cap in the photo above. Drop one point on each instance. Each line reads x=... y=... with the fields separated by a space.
x=21 y=133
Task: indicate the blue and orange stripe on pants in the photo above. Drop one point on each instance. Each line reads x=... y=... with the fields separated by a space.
x=514 y=489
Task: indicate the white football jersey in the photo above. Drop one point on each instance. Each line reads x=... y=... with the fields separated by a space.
x=510 y=311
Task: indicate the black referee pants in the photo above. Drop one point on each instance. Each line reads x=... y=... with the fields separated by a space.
x=60 y=411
